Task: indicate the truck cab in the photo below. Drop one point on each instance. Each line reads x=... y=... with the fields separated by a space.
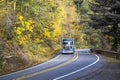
x=67 y=45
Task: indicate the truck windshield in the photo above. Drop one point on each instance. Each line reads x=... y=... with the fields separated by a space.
x=68 y=42
x=65 y=43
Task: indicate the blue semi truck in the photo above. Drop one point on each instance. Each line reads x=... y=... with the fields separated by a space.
x=68 y=45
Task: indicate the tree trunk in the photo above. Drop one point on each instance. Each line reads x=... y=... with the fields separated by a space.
x=14 y=5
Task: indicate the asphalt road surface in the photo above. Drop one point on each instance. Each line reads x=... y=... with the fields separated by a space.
x=62 y=67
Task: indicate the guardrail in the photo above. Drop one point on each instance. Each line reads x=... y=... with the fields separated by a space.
x=112 y=54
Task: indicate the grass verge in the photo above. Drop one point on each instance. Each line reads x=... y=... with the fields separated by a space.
x=109 y=59
x=30 y=64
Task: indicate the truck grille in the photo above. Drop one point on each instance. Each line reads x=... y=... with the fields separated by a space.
x=67 y=47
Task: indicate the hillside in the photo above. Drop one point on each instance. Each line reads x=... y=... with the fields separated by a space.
x=31 y=31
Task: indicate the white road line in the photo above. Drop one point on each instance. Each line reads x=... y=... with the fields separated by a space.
x=78 y=69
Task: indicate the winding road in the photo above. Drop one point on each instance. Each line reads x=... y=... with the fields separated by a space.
x=62 y=67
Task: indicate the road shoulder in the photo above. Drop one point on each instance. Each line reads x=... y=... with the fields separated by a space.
x=109 y=71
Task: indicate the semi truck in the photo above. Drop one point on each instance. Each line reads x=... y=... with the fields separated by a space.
x=68 y=45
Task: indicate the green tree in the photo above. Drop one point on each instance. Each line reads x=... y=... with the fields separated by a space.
x=106 y=16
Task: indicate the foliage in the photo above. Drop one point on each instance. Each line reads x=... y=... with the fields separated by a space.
x=28 y=31
x=23 y=30
x=106 y=16
x=101 y=19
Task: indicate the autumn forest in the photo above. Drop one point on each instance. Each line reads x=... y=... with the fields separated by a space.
x=31 y=30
